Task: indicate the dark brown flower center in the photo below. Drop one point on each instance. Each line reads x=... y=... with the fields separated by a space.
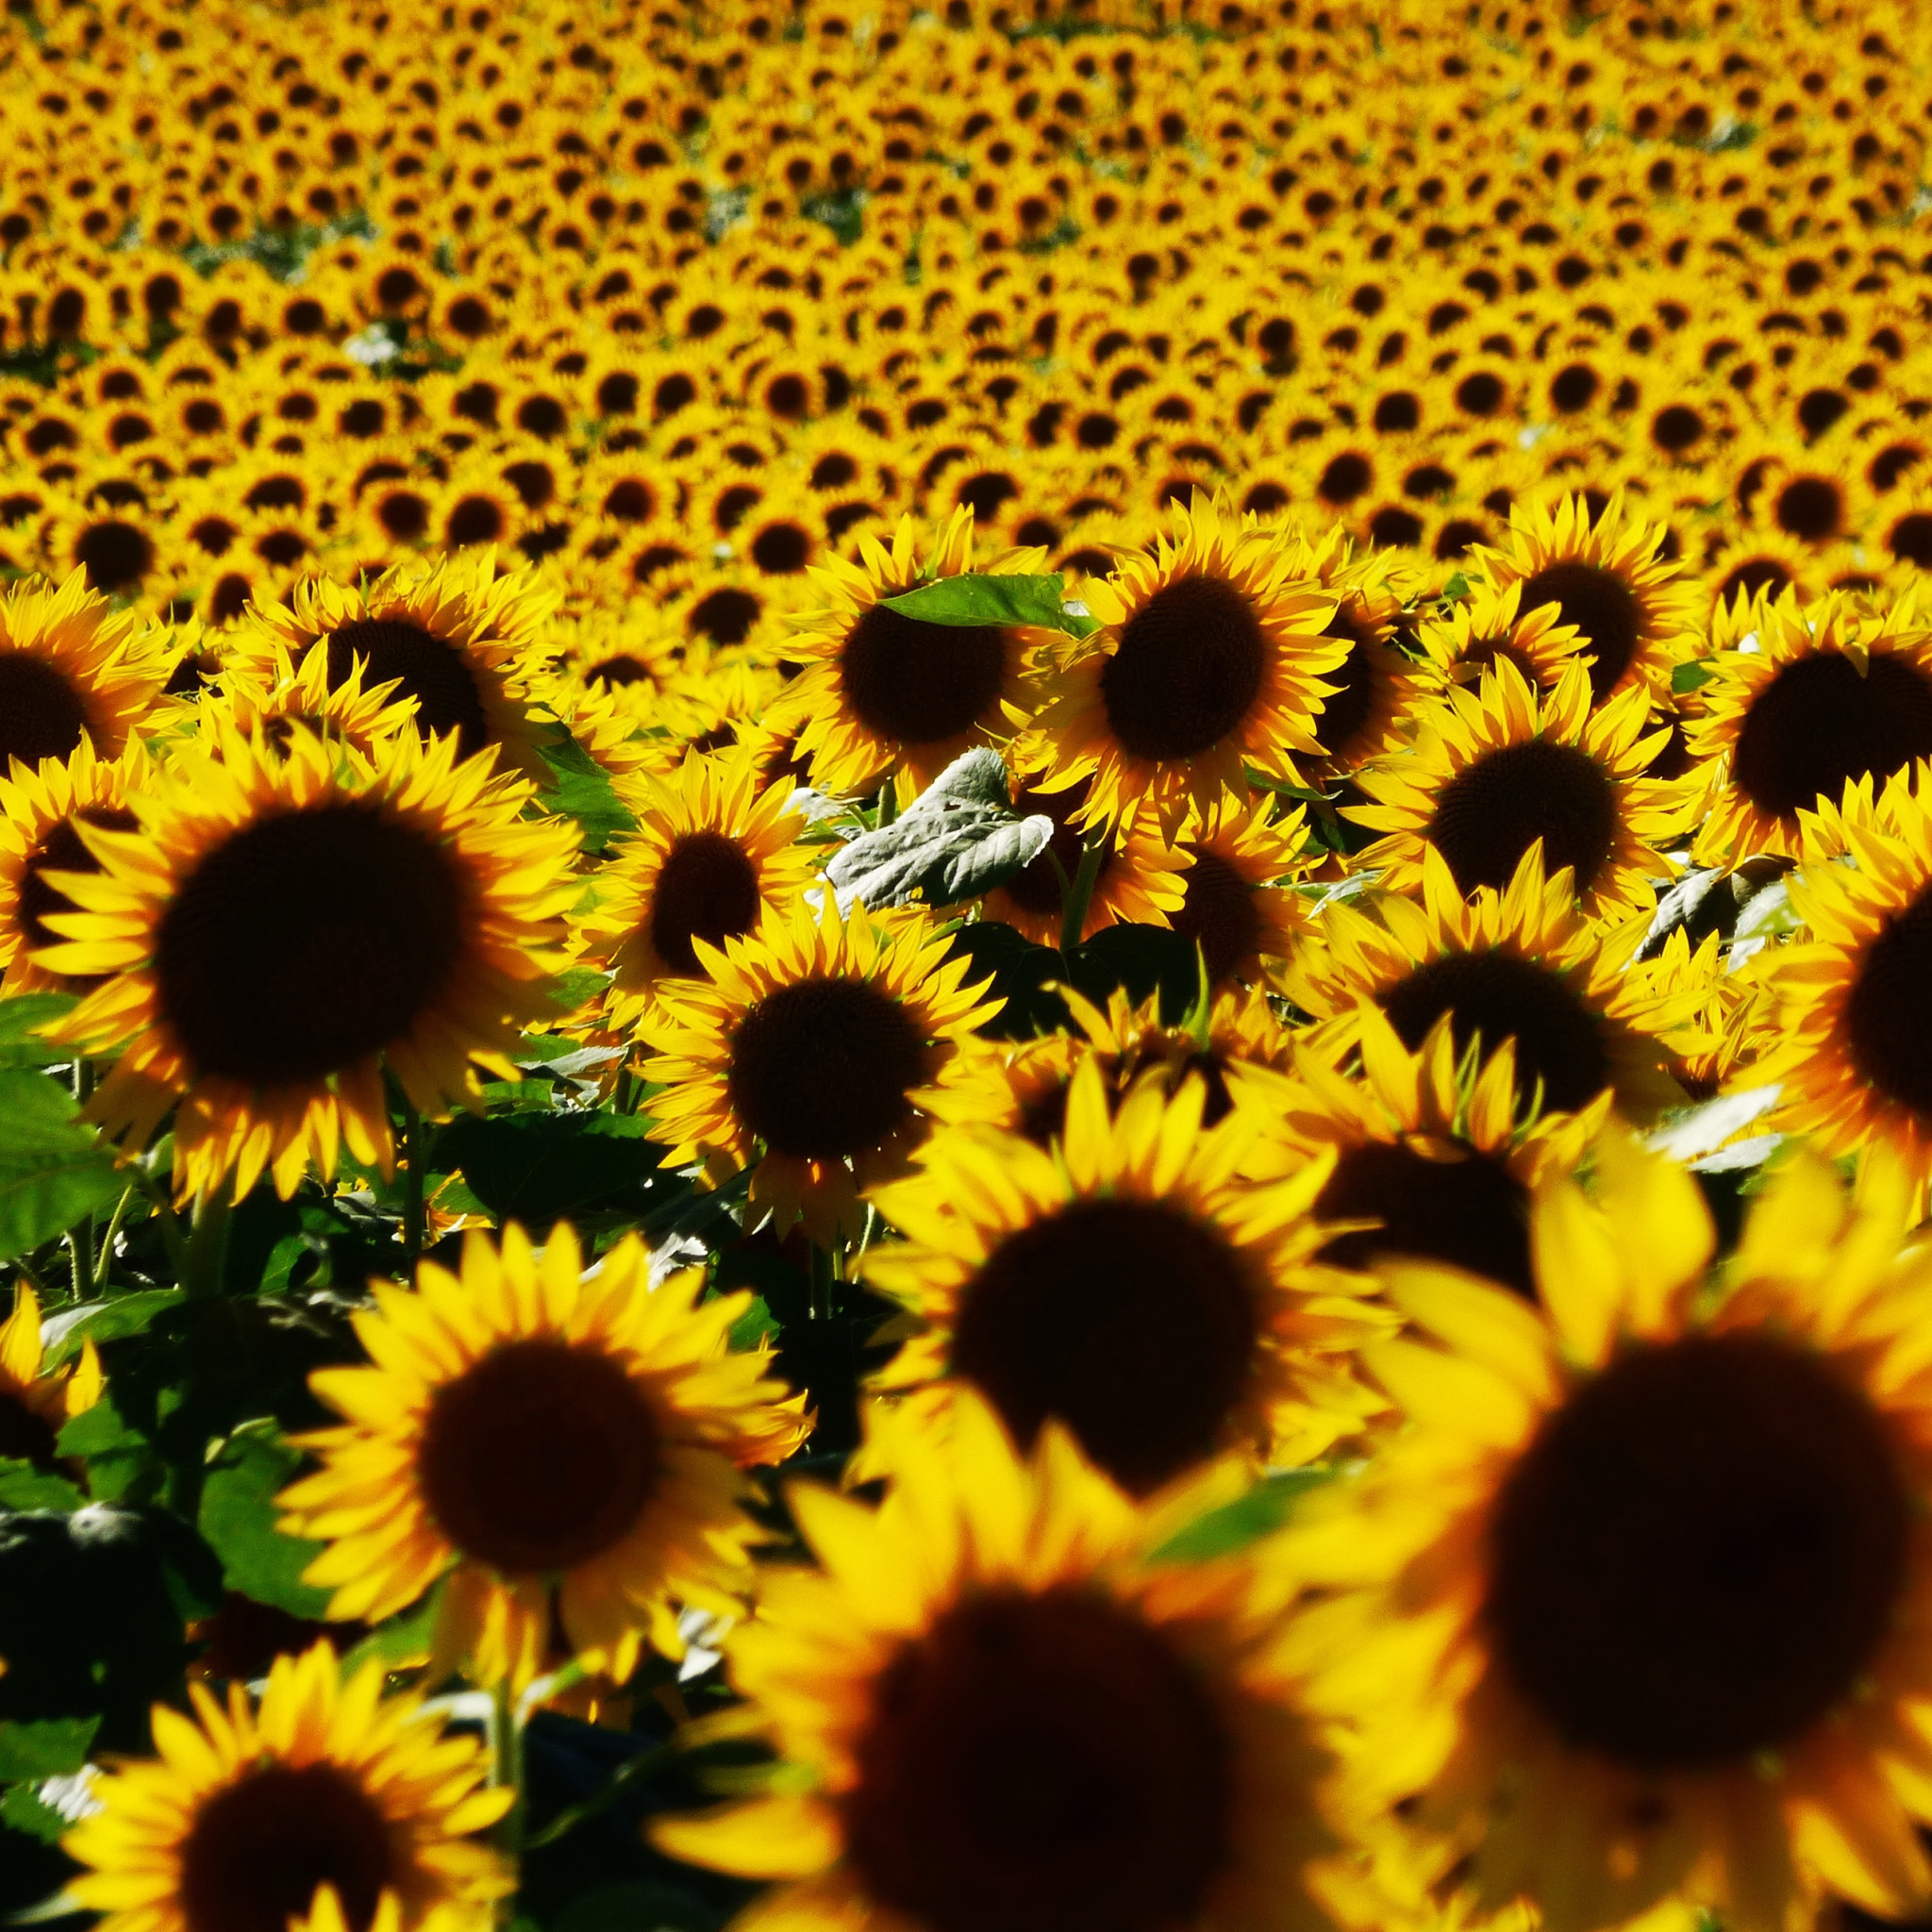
x=1345 y=714
x=707 y=889
x=1036 y=887
x=824 y=1067
x=306 y=941
x=1041 y=1764
x=26 y=1433
x=1493 y=810
x=1699 y=1554
x=1502 y=996
x=261 y=1848
x=1603 y=608
x=41 y=715
x=620 y=669
x=1818 y=722
x=59 y=850
x=540 y=1456
x=1219 y=915
x=1887 y=1022
x=431 y=671
x=911 y=682
x=1131 y=1321
x=1469 y=1211
x=114 y=555
x=1190 y=663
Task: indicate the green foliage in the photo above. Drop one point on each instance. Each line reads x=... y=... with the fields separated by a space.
x=1138 y=960
x=54 y=1171
x=581 y=789
x=25 y=1486
x=238 y=1522
x=1235 y=1525
x=979 y=599
x=54 y=1747
x=19 y=1042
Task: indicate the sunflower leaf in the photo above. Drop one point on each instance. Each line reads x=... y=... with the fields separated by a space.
x=50 y=1748
x=19 y=1046
x=54 y=1171
x=238 y=1522
x=977 y=598
x=959 y=838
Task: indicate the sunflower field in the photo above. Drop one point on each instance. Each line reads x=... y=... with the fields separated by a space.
x=965 y=965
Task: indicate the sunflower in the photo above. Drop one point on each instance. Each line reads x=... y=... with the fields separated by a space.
x=811 y=1048
x=1825 y=695
x=284 y=922
x=1605 y=576
x=1495 y=771
x=881 y=692
x=1641 y=1603
x=1848 y=1036
x=1234 y=905
x=325 y=1798
x=1128 y=1282
x=1465 y=638
x=714 y=855
x=458 y=640
x=274 y=695
x=36 y=1405
x=71 y=667
x=1211 y=657
x=993 y=1709
x=1520 y=964
x=37 y=813
x=539 y=1436
x=1138 y=880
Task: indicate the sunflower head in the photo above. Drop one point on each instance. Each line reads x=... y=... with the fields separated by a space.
x=1237 y=902
x=1466 y=639
x=273 y=695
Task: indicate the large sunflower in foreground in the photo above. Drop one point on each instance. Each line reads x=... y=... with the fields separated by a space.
x=1605 y=576
x=285 y=924
x=1639 y=1604
x=1521 y=964
x=71 y=667
x=881 y=692
x=459 y=640
x=1128 y=1283
x=1211 y=657
x=714 y=855
x=808 y=1053
x=1826 y=694
x=539 y=1436
x=247 y=1815
x=1849 y=1035
x=1495 y=769
x=994 y=1713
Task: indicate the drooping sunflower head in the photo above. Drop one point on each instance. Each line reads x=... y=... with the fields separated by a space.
x=1496 y=769
x=1212 y=657
x=714 y=855
x=457 y=639
x=323 y=1798
x=808 y=1051
x=70 y=668
x=282 y=924
x=881 y=692
x=1827 y=695
x=541 y=1429
x=1135 y=1288
x=1042 y=1732
x=1652 y=1556
x=1605 y=576
x=1468 y=637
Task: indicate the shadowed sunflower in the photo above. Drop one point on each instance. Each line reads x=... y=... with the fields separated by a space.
x=1604 y=577
x=247 y=1817
x=1135 y=1288
x=1639 y=1604
x=35 y=1405
x=458 y=640
x=38 y=814
x=1468 y=637
x=714 y=855
x=1374 y=686
x=1828 y=694
x=1211 y=658
x=1848 y=1037
x=273 y=694
x=1494 y=770
x=808 y=1053
x=883 y=692
x=1234 y=904
x=548 y=1441
x=282 y=924
x=71 y=667
x=1521 y=964
x=996 y=1713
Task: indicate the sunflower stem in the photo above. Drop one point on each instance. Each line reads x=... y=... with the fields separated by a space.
x=1079 y=896
x=173 y=1239
x=413 y=1186
x=80 y=1237
x=203 y=1264
x=889 y=802
x=505 y=1742
x=103 y=1261
x=823 y=1273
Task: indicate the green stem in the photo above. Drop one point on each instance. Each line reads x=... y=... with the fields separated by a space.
x=173 y=1238
x=1080 y=894
x=507 y=1770
x=413 y=1186
x=103 y=1261
x=80 y=1237
x=889 y=802
x=207 y=1244
x=823 y=1273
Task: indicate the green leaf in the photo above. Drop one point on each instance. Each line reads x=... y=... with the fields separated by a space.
x=23 y=1809
x=538 y=1167
x=637 y=1905
x=238 y=1522
x=53 y=1747
x=119 y=1459
x=1688 y=677
x=65 y=1329
x=400 y=1641
x=1768 y=913
x=1456 y=587
x=24 y=1487
x=19 y=1045
x=754 y=1325
x=54 y=1171
x=1245 y=1521
x=959 y=838
x=580 y=987
x=985 y=599
x=582 y=791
